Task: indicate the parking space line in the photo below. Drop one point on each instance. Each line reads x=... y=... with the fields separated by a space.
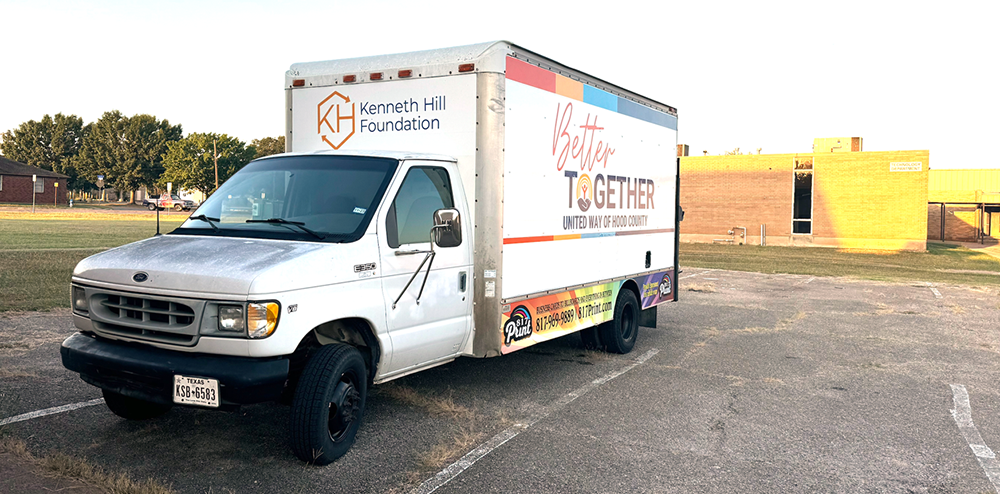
x=50 y=411
x=963 y=418
x=691 y=275
x=936 y=293
x=455 y=469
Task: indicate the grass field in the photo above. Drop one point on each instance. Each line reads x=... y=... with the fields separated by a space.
x=38 y=253
x=940 y=264
x=37 y=256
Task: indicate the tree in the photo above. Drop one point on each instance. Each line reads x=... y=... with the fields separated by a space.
x=51 y=143
x=268 y=146
x=128 y=151
x=188 y=162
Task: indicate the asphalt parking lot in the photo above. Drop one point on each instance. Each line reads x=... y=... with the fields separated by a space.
x=751 y=383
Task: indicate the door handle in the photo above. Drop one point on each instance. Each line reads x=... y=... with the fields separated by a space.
x=462 y=277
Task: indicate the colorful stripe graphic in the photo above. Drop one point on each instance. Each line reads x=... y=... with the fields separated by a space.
x=540 y=78
x=575 y=236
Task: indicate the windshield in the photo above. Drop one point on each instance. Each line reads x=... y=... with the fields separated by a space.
x=332 y=197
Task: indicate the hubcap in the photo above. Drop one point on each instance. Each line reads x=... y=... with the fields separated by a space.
x=344 y=407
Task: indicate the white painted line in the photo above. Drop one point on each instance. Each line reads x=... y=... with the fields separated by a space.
x=50 y=411
x=455 y=469
x=690 y=275
x=937 y=294
x=808 y=281
x=963 y=418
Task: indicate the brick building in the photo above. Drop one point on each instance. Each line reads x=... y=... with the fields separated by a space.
x=16 y=185
x=843 y=197
x=963 y=205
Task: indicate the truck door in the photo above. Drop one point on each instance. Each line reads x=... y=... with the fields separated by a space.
x=437 y=325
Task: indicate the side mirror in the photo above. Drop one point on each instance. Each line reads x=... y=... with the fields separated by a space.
x=447 y=229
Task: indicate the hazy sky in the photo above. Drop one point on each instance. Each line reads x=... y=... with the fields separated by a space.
x=746 y=74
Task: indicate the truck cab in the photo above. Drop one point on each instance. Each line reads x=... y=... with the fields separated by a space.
x=294 y=253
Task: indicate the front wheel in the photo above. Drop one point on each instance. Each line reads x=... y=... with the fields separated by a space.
x=178 y=208
x=151 y=207
x=130 y=408
x=329 y=404
x=619 y=335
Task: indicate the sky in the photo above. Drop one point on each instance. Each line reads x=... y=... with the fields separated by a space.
x=743 y=74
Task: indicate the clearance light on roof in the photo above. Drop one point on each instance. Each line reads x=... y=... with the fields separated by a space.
x=298 y=83
x=405 y=73
x=375 y=76
x=350 y=78
x=467 y=67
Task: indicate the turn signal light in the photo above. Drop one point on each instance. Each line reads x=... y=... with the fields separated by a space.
x=262 y=319
x=467 y=67
x=298 y=83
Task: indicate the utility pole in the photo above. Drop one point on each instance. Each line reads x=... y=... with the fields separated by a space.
x=215 y=158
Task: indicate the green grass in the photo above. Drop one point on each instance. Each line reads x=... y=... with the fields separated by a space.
x=940 y=264
x=37 y=257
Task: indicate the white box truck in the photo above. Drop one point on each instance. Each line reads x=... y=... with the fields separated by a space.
x=462 y=202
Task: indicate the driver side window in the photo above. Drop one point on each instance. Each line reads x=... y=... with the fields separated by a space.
x=424 y=190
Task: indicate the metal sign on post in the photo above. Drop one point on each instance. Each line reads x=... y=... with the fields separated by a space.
x=34 y=179
x=55 y=193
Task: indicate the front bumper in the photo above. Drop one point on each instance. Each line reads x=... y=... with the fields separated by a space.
x=147 y=373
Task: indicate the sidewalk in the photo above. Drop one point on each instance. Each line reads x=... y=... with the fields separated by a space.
x=992 y=249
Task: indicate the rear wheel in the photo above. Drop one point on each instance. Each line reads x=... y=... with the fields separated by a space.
x=130 y=408
x=619 y=335
x=151 y=207
x=329 y=404
x=178 y=208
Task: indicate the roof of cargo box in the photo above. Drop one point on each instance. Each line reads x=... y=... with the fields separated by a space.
x=397 y=155
x=487 y=57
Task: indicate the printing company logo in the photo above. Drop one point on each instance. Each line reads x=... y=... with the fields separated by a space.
x=333 y=119
x=518 y=327
x=584 y=192
x=665 y=286
x=140 y=277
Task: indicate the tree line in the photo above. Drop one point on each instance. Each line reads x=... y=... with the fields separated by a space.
x=131 y=152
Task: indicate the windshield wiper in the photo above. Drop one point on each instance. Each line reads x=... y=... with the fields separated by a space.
x=282 y=221
x=206 y=219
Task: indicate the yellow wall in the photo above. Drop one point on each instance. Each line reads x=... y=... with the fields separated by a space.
x=836 y=144
x=981 y=185
x=858 y=199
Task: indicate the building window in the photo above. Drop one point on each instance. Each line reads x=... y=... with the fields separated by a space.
x=803 y=193
x=40 y=186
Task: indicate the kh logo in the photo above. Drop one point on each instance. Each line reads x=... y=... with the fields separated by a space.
x=584 y=192
x=334 y=108
x=518 y=327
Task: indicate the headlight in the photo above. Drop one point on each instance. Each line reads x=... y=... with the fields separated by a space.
x=231 y=318
x=262 y=319
x=80 y=299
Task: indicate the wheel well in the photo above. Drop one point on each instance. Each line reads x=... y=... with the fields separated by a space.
x=634 y=287
x=351 y=331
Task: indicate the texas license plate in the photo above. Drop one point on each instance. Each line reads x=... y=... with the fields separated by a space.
x=196 y=391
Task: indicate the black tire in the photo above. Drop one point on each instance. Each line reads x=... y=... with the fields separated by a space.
x=178 y=208
x=130 y=408
x=591 y=339
x=619 y=335
x=329 y=404
x=151 y=207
